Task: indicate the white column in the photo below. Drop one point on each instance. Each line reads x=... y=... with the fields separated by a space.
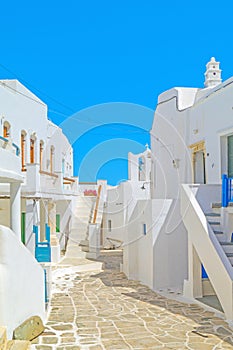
x=30 y=237
x=193 y=286
x=27 y=150
x=36 y=212
x=52 y=216
x=94 y=241
x=15 y=208
x=43 y=217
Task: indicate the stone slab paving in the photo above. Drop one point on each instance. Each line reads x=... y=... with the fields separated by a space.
x=103 y=310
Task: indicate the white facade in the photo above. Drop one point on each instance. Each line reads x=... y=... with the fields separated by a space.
x=190 y=143
x=45 y=160
x=37 y=188
x=122 y=199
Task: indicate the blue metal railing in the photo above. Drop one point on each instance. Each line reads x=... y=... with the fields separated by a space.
x=17 y=149
x=4 y=139
x=227 y=190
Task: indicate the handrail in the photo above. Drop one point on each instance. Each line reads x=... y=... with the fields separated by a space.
x=227 y=190
x=47 y=173
x=17 y=149
x=68 y=179
x=97 y=204
x=4 y=139
x=208 y=248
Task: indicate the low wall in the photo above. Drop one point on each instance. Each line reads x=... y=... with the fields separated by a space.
x=21 y=282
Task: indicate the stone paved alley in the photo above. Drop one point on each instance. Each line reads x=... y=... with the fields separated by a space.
x=103 y=310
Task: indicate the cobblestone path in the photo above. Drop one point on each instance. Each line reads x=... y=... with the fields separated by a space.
x=103 y=310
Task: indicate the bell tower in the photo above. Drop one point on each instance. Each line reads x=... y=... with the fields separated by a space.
x=213 y=73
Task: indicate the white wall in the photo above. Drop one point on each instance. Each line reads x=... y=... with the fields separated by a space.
x=114 y=212
x=63 y=150
x=121 y=197
x=23 y=113
x=28 y=113
x=159 y=258
x=174 y=130
x=212 y=115
x=20 y=297
x=5 y=212
x=138 y=247
x=10 y=166
x=170 y=257
x=64 y=208
x=118 y=202
x=183 y=117
x=170 y=153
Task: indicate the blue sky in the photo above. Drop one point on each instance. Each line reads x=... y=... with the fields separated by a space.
x=78 y=54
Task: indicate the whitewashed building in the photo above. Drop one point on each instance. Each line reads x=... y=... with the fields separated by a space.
x=180 y=239
x=37 y=189
x=122 y=199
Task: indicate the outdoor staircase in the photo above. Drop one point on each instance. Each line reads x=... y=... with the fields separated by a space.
x=12 y=344
x=83 y=207
x=208 y=246
x=214 y=220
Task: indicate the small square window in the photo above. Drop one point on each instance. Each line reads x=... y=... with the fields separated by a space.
x=144 y=229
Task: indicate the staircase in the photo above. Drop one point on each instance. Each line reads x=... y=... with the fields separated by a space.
x=214 y=220
x=207 y=245
x=12 y=344
x=83 y=207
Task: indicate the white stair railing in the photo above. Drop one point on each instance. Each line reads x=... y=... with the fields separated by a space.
x=202 y=238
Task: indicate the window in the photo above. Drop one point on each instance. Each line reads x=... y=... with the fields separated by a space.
x=141 y=169
x=109 y=225
x=33 y=148
x=32 y=151
x=41 y=155
x=144 y=229
x=23 y=151
x=6 y=129
x=52 y=155
x=198 y=162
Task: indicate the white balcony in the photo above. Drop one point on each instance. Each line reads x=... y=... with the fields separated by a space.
x=43 y=182
x=10 y=162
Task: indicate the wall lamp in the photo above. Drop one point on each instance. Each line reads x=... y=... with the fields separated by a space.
x=143 y=185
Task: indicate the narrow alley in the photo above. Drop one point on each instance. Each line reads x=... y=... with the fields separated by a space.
x=100 y=309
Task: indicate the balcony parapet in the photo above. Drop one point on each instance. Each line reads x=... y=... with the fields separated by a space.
x=9 y=146
x=70 y=185
x=48 y=173
x=38 y=180
x=10 y=166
